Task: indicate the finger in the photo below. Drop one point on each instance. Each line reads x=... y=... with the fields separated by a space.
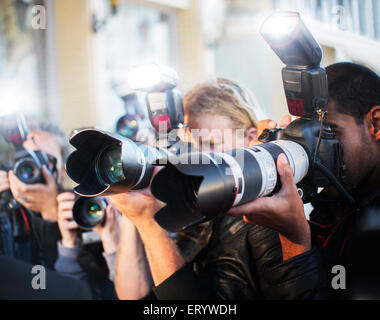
x=285 y=121
x=251 y=208
x=3 y=175
x=111 y=212
x=266 y=124
x=110 y=215
x=49 y=179
x=66 y=205
x=65 y=196
x=17 y=184
x=65 y=215
x=69 y=225
x=285 y=172
x=4 y=182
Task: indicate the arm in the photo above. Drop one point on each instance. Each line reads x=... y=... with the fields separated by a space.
x=162 y=254
x=110 y=235
x=132 y=275
x=68 y=248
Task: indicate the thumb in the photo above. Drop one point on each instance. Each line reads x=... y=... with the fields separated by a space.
x=110 y=213
x=285 y=172
x=285 y=121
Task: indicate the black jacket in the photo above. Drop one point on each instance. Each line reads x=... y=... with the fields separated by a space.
x=335 y=227
x=231 y=260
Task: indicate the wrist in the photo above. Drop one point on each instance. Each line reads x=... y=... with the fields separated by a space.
x=297 y=244
x=50 y=214
x=110 y=244
x=69 y=243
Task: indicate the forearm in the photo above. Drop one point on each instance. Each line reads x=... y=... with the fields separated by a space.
x=162 y=253
x=132 y=274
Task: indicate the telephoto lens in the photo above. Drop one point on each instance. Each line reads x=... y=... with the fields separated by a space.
x=106 y=163
x=89 y=212
x=197 y=187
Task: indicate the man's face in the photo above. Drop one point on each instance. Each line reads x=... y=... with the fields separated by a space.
x=44 y=141
x=358 y=155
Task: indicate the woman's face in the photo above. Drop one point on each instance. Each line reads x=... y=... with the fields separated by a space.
x=217 y=133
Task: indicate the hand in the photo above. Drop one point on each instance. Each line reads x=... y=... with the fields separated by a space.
x=282 y=212
x=270 y=124
x=38 y=197
x=137 y=205
x=66 y=224
x=4 y=182
x=110 y=231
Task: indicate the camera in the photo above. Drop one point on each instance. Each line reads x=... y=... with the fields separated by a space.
x=198 y=187
x=26 y=164
x=89 y=212
x=134 y=124
x=105 y=163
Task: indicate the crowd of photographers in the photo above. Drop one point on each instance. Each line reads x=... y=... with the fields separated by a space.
x=264 y=249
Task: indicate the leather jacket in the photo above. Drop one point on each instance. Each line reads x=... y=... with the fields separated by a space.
x=335 y=228
x=231 y=260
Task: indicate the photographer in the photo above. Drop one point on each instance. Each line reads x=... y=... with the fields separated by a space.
x=221 y=259
x=354 y=117
x=84 y=261
x=31 y=232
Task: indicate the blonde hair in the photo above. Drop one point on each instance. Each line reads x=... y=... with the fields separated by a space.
x=222 y=97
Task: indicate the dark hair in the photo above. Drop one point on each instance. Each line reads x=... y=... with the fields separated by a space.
x=59 y=135
x=354 y=88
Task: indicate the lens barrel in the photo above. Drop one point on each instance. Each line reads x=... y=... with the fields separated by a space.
x=89 y=212
x=28 y=171
x=106 y=163
x=200 y=186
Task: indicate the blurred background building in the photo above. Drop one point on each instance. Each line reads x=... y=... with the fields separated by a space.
x=63 y=58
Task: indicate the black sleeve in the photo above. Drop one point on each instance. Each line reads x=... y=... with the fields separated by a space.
x=301 y=277
x=17 y=282
x=184 y=284
x=47 y=234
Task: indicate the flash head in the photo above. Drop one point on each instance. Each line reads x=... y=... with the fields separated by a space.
x=152 y=78
x=305 y=82
x=288 y=36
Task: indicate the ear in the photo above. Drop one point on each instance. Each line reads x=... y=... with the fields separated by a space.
x=374 y=118
x=251 y=134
